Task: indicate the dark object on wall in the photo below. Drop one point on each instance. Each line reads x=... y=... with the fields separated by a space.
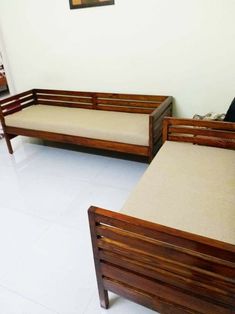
x=3 y=80
x=78 y=4
x=230 y=115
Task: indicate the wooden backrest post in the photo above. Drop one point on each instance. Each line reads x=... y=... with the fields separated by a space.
x=165 y=130
x=35 y=96
x=103 y=293
x=151 y=138
x=94 y=101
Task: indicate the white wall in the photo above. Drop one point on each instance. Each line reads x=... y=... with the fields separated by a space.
x=183 y=48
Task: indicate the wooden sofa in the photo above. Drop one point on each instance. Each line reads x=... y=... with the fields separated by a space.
x=172 y=247
x=118 y=122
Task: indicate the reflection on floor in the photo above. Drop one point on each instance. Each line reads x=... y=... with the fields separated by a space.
x=46 y=264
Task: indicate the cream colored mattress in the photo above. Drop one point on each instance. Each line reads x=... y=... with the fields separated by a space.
x=188 y=187
x=120 y=127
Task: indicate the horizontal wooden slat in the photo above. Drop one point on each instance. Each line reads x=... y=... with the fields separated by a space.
x=62 y=92
x=220 y=125
x=153 y=98
x=177 y=296
x=216 y=142
x=125 y=103
x=15 y=97
x=17 y=102
x=166 y=264
x=188 y=283
x=67 y=99
x=137 y=258
x=150 y=98
x=161 y=248
x=165 y=253
x=124 y=109
x=64 y=104
x=198 y=131
x=18 y=108
x=166 y=234
x=145 y=298
x=204 y=132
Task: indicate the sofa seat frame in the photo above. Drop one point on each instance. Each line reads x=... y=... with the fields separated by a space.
x=157 y=107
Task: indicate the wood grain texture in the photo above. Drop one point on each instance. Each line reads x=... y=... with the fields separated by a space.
x=155 y=106
x=201 y=132
x=167 y=270
x=83 y=141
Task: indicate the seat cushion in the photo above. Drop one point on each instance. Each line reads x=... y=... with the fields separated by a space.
x=190 y=188
x=130 y=128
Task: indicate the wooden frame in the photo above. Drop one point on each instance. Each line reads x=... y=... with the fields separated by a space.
x=167 y=270
x=78 y=4
x=156 y=106
x=201 y=132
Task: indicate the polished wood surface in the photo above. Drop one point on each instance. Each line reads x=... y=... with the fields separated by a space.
x=201 y=132
x=155 y=106
x=167 y=270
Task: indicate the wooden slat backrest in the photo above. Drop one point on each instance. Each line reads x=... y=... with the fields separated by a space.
x=100 y=101
x=88 y=100
x=202 y=132
x=129 y=102
x=64 y=98
x=191 y=271
x=15 y=103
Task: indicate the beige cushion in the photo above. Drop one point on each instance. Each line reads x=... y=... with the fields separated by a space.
x=120 y=127
x=188 y=187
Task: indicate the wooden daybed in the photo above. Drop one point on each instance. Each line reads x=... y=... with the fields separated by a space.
x=118 y=122
x=172 y=247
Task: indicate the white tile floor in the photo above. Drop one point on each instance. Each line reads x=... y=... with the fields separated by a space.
x=44 y=196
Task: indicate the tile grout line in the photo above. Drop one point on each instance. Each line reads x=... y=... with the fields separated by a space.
x=28 y=299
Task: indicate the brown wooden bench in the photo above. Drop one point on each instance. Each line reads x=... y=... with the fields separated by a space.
x=54 y=115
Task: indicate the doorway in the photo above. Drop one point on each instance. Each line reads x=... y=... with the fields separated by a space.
x=4 y=89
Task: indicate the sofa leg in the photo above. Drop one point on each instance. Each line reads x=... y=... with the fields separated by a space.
x=9 y=146
x=150 y=158
x=103 y=293
x=104 y=298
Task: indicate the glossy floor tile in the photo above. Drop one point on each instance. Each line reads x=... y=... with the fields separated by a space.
x=117 y=305
x=46 y=263
x=11 y=303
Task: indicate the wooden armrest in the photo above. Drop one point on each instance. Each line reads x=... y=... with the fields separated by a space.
x=167 y=104
x=16 y=103
x=146 y=262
